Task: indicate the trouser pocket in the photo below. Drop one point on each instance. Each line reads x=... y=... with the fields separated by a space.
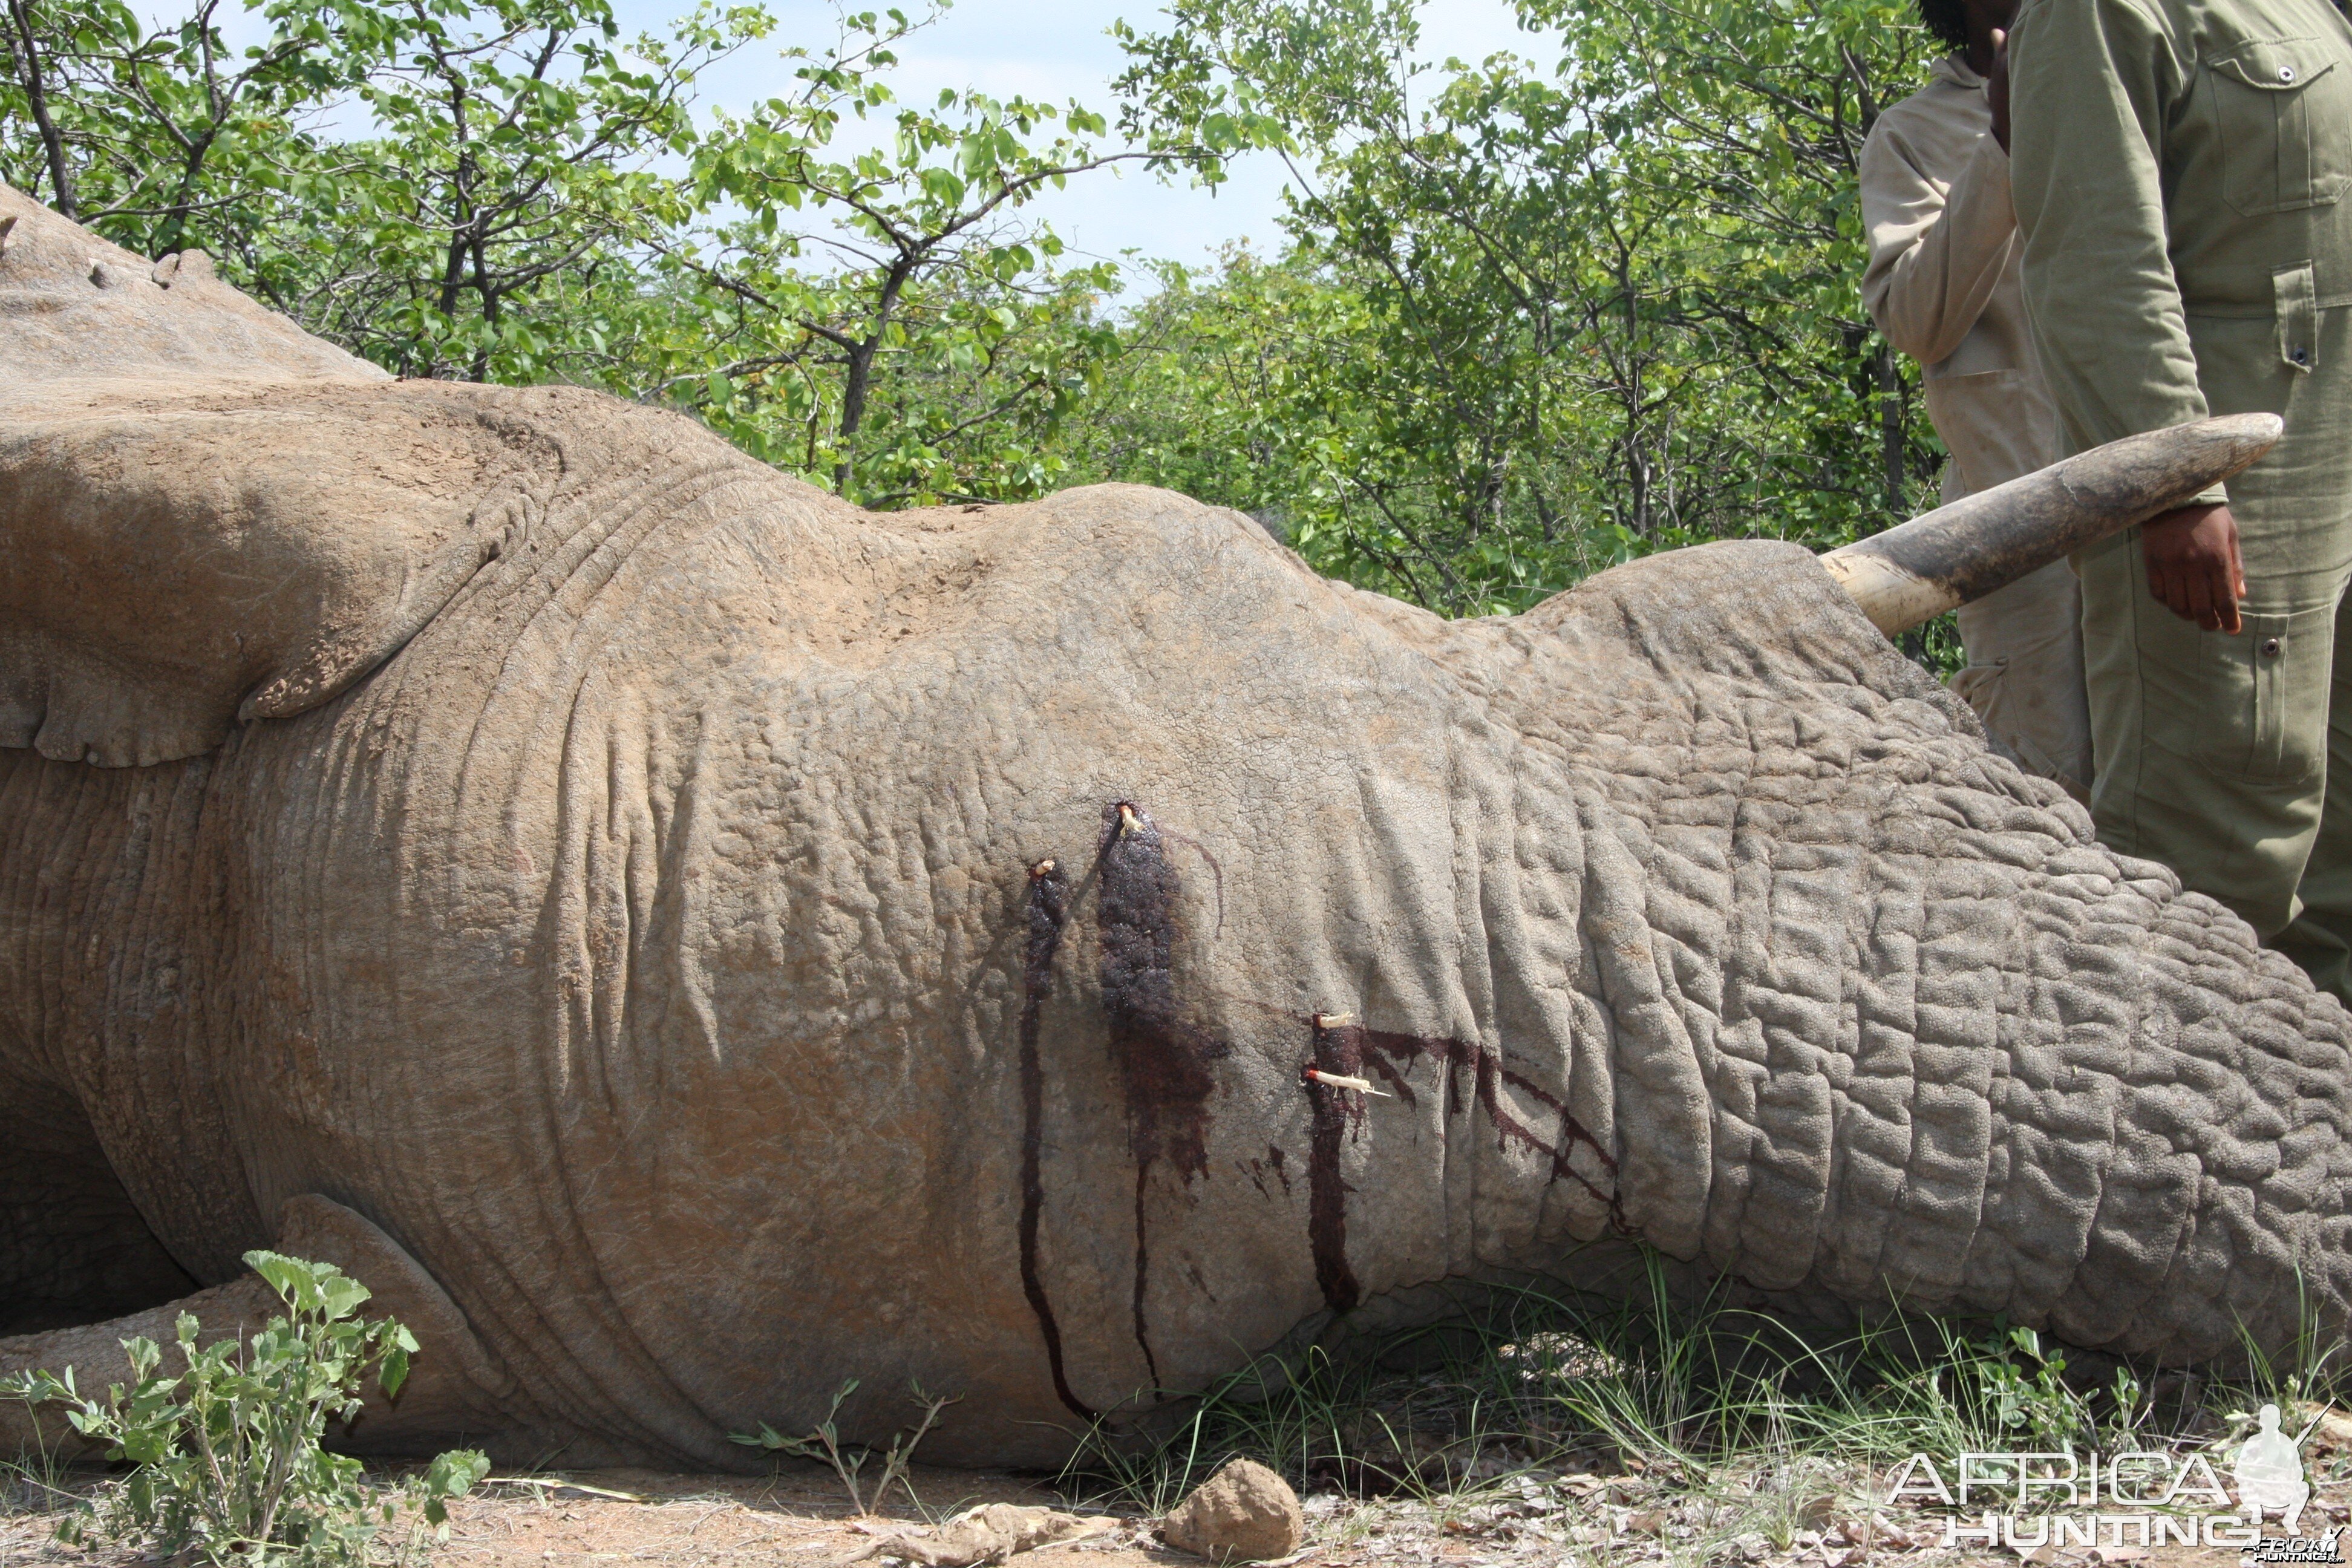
x=2268 y=723
x=2294 y=298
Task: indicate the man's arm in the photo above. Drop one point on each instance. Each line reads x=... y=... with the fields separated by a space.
x=1935 y=257
x=2087 y=94
x=2090 y=81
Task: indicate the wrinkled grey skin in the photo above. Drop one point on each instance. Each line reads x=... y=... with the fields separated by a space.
x=627 y=970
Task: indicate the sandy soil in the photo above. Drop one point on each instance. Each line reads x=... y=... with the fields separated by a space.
x=793 y=1519
x=801 y=1518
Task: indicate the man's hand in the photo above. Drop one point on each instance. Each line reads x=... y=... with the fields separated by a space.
x=2193 y=567
x=1997 y=88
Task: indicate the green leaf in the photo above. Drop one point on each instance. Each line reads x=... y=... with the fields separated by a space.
x=392 y=1370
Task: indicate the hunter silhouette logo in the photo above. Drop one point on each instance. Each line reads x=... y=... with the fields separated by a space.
x=2269 y=1472
x=2133 y=1498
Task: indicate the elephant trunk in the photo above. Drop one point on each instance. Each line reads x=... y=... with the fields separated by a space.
x=1985 y=542
x=1887 y=1025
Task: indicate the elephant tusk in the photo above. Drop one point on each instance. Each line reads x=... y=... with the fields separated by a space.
x=1960 y=552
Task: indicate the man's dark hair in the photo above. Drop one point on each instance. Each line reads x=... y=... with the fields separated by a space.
x=1947 y=19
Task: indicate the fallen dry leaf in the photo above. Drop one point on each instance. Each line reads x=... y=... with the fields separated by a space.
x=990 y=1534
x=1882 y=1532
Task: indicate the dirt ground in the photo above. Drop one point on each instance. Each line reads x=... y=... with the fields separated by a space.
x=801 y=1518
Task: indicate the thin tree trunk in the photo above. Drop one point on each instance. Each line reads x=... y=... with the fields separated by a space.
x=860 y=378
x=853 y=409
x=1891 y=442
x=37 y=98
x=173 y=235
x=1631 y=391
x=491 y=313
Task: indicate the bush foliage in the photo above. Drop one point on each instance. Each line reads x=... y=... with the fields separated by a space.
x=230 y=1456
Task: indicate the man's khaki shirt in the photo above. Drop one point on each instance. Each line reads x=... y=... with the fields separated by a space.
x=1944 y=282
x=2172 y=160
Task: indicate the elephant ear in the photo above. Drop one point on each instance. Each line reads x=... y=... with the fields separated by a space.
x=170 y=565
x=207 y=514
x=73 y=306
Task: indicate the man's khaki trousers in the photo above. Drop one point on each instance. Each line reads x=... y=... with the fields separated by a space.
x=2024 y=675
x=2229 y=758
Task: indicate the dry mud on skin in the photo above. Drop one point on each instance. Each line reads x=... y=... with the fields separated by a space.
x=796 y=1519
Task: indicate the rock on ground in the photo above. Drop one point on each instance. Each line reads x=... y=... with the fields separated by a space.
x=1244 y=1513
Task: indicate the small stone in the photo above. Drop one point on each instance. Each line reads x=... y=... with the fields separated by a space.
x=1244 y=1513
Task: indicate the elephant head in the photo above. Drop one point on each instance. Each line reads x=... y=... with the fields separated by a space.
x=693 y=940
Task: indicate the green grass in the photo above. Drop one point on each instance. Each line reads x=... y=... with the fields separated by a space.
x=36 y=1482
x=1739 y=1424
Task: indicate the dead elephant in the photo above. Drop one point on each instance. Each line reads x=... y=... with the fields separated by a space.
x=686 y=941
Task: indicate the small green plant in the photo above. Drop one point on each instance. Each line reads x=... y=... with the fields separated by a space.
x=230 y=1454
x=2027 y=1389
x=35 y=1482
x=849 y=1460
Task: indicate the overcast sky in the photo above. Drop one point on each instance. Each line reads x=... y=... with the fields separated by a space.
x=1056 y=50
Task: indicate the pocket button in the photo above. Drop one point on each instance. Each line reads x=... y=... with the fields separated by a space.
x=2286 y=73
x=2271 y=647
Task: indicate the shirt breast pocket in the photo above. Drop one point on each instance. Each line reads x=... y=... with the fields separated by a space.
x=2284 y=111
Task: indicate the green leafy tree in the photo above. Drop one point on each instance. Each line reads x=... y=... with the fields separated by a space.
x=506 y=144
x=1605 y=308
x=882 y=266
x=512 y=145
x=155 y=138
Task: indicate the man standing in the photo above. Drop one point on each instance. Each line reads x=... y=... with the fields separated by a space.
x=1943 y=285
x=2179 y=173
